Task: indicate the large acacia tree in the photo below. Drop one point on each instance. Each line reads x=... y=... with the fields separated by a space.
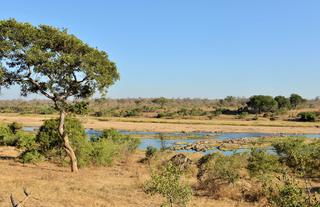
x=50 y=61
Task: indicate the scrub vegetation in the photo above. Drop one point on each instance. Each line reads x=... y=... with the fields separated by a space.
x=277 y=172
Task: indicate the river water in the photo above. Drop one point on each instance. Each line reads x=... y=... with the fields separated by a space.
x=152 y=138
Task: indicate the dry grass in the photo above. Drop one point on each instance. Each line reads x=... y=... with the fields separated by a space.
x=119 y=185
x=173 y=125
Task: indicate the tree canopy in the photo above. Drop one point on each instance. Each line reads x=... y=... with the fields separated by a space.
x=47 y=60
x=260 y=103
x=50 y=61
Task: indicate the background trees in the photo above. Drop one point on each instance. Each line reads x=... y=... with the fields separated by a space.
x=260 y=103
x=296 y=100
x=49 y=61
x=283 y=102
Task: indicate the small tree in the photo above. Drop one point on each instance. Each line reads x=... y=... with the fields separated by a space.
x=54 y=63
x=260 y=103
x=167 y=183
x=161 y=101
x=296 y=100
x=283 y=102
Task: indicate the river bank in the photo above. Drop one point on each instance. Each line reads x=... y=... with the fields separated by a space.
x=177 y=125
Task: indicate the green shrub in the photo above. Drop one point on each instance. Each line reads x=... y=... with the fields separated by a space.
x=46 y=110
x=49 y=139
x=307 y=116
x=167 y=183
x=218 y=112
x=301 y=157
x=51 y=145
x=26 y=141
x=243 y=115
x=150 y=152
x=126 y=141
x=217 y=169
x=7 y=137
x=131 y=112
x=261 y=163
x=166 y=115
x=103 y=152
x=286 y=194
x=31 y=157
x=15 y=127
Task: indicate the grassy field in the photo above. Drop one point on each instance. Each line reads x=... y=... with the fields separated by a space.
x=119 y=185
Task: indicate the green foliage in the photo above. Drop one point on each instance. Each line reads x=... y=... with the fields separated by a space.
x=307 y=116
x=260 y=103
x=67 y=66
x=217 y=169
x=6 y=136
x=302 y=158
x=243 y=115
x=218 y=112
x=15 y=127
x=131 y=112
x=49 y=139
x=167 y=183
x=286 y=194
x=26 y=141
x=51 y=146
x=283 y=102
x=80 y=107
x=32 y=157
x=161 y=101
x=296 y=100
x=103 y=152
x=126 y=141
x=99 y=150
x=150 y=152
x=261 y=163
x=166 y=115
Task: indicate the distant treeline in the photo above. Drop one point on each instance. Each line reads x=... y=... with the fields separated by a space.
x=174 y=108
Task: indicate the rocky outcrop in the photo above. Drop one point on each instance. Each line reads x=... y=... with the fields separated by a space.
x=181 y=161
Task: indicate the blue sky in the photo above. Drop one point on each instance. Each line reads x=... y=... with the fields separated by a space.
x=184 y=48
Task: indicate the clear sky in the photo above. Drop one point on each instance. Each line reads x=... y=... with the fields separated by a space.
x=193 y=48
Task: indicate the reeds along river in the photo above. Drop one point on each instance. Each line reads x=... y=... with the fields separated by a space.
x=171 y=139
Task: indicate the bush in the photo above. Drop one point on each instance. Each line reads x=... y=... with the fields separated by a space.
x=31 y=157
x=46 y=110
x=307 y=116
x=26 y=141
x=131 y=112
x=301 y=157
x=287 y=194
x=217 y=170
x=261 y=163
x=15 y=127
x=7 y=137
x=99 y=150
x=167 y=183
x=126 y=141
x=51 y=145
x=103 y=152
x=218 y=111
x=243 y=115
x=150 y=152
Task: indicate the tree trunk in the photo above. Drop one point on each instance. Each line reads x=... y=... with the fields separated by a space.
x=66 y=143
